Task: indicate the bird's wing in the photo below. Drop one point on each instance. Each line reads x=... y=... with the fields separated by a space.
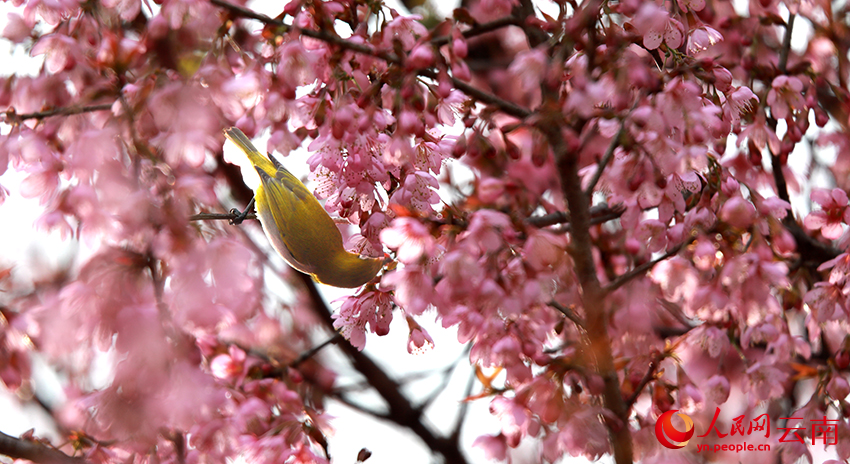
x=306 y=230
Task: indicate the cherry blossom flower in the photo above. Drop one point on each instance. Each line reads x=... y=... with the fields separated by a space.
x=419 y=341
x=702 y=38
x=406 y=29
x=785 y=96
x=834 y=214
x=656 y=26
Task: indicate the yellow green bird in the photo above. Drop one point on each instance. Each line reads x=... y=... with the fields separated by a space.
x=298 y=227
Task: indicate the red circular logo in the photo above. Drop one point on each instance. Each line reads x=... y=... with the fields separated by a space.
x=664 y=429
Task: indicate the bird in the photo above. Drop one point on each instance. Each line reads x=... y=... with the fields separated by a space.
x=297 y=225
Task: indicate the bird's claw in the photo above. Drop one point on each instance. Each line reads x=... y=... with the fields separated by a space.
x=240 y=216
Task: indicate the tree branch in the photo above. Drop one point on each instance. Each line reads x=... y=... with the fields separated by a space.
x=11 y=116
x=650 y=374
x=478 y=29
x=34 y=451
x=464 y=408
x=569 y=313
x=638 y=270
x=401 y=411
x=505 y=106
x=336 y=338
x=219 y=216
x=609 y=152
x=598 y=215
x=319 y=35
x=786 y=44
x=596 y=321
x=599 y=350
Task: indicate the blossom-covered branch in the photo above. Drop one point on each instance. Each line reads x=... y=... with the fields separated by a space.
x=642 y=268
x=474 y=92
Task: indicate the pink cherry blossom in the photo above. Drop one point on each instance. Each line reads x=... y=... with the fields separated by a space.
x=785 y=96
x=834 y=214
x=657 y=27
x=702 y=38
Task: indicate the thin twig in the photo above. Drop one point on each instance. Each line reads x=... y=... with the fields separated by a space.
x=810 y=249
x=638 y=270
x=654 y=363
x=446 y=374
x=218 y=216
x=505 y=106
x=179 y=441
x=609 y=152
x=598 y=214
x=344 y=399
x=568 y=313
x=478 y=29
x=786 y=44
x=650 y=374
x=64 y=111
x=558 y=217
x=336 y=338
x=464 y=405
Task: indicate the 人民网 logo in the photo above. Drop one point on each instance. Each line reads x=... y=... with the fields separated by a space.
x=668 y=435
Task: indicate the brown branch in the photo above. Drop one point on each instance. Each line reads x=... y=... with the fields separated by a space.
x=536 y=37
x=551 y=219
x=581 y=251
x=598 y=215
x=638 y=270
x=336 y=338
x=569 y=313
x=319 y=35
x=343 y=398
x=609 y=152
x=786 y=44
x=446 y=376
x=34 y=451
x=812 y=252
x=401 y=411
x=598 y=350
x=279 y=368
x=218 y=216
x=505 y=106
x=478 y=29
x=64 y=111
x=654 y=364
x=179 y=441
x=464 y=407
x=650 y=374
